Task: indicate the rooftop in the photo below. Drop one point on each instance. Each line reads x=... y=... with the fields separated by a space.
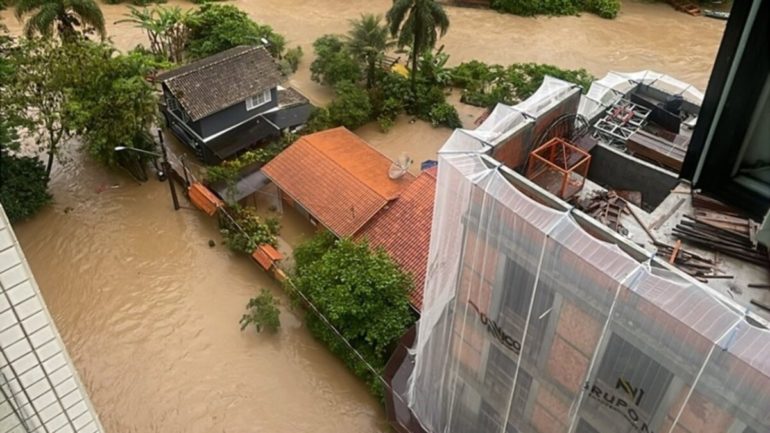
x=337 y=177
x=222 y=80
x=728 y=274
x=403 y=228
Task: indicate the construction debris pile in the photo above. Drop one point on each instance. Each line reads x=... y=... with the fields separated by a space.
x=718 y=228
x=607 y=207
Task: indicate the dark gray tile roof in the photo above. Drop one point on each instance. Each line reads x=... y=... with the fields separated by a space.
x=290 y=97
x=224 y=79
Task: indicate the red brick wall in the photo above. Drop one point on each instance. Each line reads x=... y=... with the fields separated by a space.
x=699 y=416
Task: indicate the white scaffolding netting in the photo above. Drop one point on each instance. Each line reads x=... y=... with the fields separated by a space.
x=606 y=91
x=531 y=324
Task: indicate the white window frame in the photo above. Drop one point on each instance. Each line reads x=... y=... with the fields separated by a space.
x=258 y=100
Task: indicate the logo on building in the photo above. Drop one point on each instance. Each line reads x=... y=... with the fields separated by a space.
x=624 y=399
x=496 y=331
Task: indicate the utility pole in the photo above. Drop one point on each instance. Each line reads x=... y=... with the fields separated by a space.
x=167 y=169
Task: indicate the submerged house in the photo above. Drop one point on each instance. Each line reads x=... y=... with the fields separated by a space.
x=339 y=182
x=226 y=103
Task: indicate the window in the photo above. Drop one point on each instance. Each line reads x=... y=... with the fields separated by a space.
x=172 y=103
x=518 y=287
x=631 y=374
x=258 y=100
x=499 y=378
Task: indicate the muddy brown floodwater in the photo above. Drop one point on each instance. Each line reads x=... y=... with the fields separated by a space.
x=149 y=312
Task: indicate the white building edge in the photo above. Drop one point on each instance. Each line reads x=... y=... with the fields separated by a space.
x=40 y=390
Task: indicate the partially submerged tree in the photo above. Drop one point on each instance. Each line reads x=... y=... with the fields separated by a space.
x=23 y=183
x=261 y=312
x=334 y=63
x=418 y=24
x=215 y=28
x=367 y=40
x=40 y=86
x=68 y=18
x=165 y=29
x=112 y=102
x=23 y=180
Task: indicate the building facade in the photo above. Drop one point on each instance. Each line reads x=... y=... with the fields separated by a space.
x=533 y=324
x=538 y=319
x=40 y=390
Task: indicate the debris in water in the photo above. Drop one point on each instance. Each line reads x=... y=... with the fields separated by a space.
x=212 y=244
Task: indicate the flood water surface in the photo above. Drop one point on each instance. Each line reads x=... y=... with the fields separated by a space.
x=150 y=312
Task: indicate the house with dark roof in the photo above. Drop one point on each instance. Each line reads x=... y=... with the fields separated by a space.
x=226 y=103
x=341 y=183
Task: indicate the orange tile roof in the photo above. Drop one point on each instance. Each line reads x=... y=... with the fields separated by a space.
x=337 y=177
x=403 y=230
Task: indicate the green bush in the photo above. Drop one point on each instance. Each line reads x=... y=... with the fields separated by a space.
x=135 y=2
x=351 y=107
x=292 y=58
x=261 y=312
x=445 y=114
x=230 y=170
x=247 y=232
x=486 y=85
x=215 y=28
x=23 y=185
x=363 y=294
x=312 y=250
x=333 y=63
x=389 y=110
x=603 y=8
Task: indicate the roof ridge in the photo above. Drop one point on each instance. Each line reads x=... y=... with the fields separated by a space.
x=247 y=49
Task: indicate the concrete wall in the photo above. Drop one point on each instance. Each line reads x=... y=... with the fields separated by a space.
x=616 y=170
x=40 y=383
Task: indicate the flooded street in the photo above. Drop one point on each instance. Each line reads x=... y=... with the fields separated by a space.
x=150 y=313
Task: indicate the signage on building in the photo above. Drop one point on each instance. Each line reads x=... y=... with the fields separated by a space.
x=496 y=331
x=624 y=399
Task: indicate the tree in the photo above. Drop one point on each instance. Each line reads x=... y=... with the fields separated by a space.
x=363 y=294
x=23 y=180
x=40 y=87
x=23 y=184
x=419 y=24
x=261 y=311
x=165 y=29
x=61 y=16
x=367 y=40
x=111 y=101
x=351 y=108
x=334 y=63
x=215 y=28
x=247 y=231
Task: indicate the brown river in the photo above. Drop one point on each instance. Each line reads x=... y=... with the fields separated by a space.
x=150 y=313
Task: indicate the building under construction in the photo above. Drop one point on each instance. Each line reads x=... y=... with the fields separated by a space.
x=539 y=318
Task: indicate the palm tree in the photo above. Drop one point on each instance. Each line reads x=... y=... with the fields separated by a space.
x=164 y=27
x=418 y=23
x=367 y=40
x=63 y=16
